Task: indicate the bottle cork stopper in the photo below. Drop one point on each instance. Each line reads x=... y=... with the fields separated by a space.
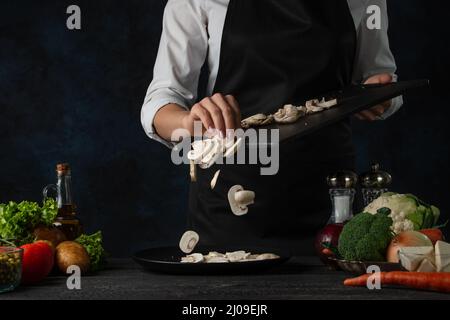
x=62 y=167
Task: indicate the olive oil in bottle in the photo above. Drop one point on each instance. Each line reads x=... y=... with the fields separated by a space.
x=66 y=219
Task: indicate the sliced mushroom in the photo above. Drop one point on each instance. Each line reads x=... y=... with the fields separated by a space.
x=240 y=199
x=188 y=241
x=256 y=120
x=267 y=256
x=217 y=260
x=313 y=109
x=201 y=148
x=233 y=149
x=193 y=258
x=193 y=171
x=210 y=159
x=288 y=114
x=302 y=109
x=215 y=254
x=229 y=142
x=312 y=103
x=327 y=104
x=214 y=179
x=237 y=255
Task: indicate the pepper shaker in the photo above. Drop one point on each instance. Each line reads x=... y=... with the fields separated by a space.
x=374 y=183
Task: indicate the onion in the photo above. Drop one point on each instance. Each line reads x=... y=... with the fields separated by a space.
x=330 y=235
x=406 y=239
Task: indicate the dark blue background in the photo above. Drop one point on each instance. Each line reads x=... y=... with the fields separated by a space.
x=75 y=96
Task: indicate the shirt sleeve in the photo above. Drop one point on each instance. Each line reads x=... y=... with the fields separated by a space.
x=181 y=55
x=374 y=55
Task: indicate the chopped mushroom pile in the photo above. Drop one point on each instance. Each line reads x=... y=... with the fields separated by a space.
x=206 y=152
x=236 y=256
x=289 y=113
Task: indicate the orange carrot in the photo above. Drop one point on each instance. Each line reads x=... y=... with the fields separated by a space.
x=433 y=234
x=433 y=281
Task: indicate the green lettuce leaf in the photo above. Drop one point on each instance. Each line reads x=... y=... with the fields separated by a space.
x=94 y=246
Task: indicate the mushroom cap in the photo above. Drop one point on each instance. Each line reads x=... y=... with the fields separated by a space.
x=245 y=197
x=188 y=241
x=235 y=207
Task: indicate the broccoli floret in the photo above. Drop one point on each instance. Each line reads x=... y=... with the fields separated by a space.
x=366 y=237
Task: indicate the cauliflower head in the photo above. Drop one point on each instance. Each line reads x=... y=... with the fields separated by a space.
x=408 y=213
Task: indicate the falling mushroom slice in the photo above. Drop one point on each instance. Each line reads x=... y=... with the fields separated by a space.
x=193 y=171
x=233 y=149
x=212 y=157
x=188 y=241
x=214 y=179
x=240 y=199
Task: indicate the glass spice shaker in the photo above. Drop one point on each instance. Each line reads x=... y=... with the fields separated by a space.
x=374 y=183
x=342 y=191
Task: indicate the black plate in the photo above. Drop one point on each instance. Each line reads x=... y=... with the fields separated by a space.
x=167 y=260
x=350 y=101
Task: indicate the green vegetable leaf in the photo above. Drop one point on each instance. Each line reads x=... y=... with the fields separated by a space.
x=417 y=219
x=428 y=220
x=17 y=220
x=436 y=213
x=94 y=246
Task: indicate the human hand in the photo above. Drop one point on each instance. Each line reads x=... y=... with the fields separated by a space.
x=374 y=113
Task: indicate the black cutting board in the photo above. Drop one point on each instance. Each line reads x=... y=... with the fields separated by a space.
x=350 y=101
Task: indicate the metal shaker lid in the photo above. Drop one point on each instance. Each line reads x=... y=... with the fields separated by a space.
x=375 y=178
x=342 y=180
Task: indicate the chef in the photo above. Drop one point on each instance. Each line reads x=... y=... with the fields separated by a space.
x=261 y=55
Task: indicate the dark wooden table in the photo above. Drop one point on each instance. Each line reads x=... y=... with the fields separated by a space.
x=300 y=278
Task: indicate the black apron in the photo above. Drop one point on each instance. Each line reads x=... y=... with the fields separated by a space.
x=275 y=53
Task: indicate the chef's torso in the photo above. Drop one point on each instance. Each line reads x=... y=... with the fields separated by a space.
x=275 y=52
x=216 y=11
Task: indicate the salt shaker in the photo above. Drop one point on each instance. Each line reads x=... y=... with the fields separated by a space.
x=342 y=191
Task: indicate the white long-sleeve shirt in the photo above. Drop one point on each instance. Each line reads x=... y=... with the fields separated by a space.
x=192 y=34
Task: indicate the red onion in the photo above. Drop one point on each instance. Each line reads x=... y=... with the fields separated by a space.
x=329 y=235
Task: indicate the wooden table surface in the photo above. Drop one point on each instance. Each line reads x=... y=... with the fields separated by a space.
x=300 y=278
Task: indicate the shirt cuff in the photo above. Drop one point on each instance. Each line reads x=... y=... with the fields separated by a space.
x=148 y=112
